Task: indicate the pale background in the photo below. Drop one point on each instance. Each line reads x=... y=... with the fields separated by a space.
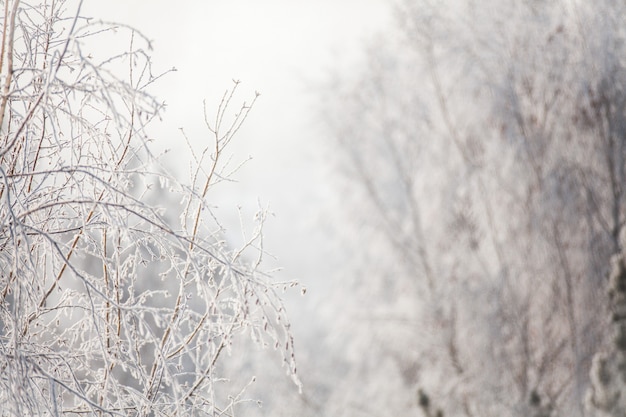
x=286 y=50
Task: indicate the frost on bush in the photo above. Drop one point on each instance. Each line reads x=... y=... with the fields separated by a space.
x=115 y=299
x=607 y=394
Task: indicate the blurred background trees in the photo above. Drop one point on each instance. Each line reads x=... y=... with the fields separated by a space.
x=482 y=146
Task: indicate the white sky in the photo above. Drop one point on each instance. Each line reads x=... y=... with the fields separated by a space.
x=281 y=48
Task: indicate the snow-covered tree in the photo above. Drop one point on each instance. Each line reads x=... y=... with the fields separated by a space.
x=483 y=149
x=118 y=293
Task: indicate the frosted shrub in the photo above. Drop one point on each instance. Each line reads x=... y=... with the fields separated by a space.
x=111 y=304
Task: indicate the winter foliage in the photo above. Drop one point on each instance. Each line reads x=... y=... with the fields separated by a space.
x=483 y=147
x=479 y=152
x=119 y=295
